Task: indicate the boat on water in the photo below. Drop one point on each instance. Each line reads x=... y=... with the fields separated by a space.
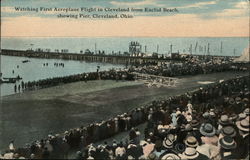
x=7 y=81
x=12 y=79
x=25 y=61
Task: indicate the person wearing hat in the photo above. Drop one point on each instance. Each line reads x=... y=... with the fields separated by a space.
x=245 y=100
x=227 y=131
x=237 y=100
x=206 y=116
x=174 y=119
x=242 y=139
x=209 y=150
x=243 y=126
x=184 y=132
x=192 y=153
x=191 y=141
x=227 y=146
x=188 y=116
x=208 y=132
x=195 y=130
x=181 y=119
x=104 y=153
x=190 y=107
x=168 y=143
x=132 y=134
x=247 y=118
x=152 y=156
x=158 y=148
x=246 y=111
x=134 y=150
x=223 y=121
x=239 y=104
x=167 y=118
x=162 y=133
x=152 y=137
x=212 y=119
x=147 y=147
x=241 y=116
x=120 y=151
x=170 y=156
x=233 y=117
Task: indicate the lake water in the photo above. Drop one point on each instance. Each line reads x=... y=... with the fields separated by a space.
x=34 y=70
x=122 y=44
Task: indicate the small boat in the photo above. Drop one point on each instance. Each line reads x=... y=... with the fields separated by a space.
x=25 y=61
x=14 y=78
x=7 y=81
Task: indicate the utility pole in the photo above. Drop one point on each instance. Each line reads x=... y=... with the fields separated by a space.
x=208 y=49
x=191 y=49
x=31 y=45
x=196 y=45
x=95 y=48
x=171 y=48
x=205 y=50
x=221 y=47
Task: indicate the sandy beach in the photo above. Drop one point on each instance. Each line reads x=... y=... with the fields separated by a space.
x=34 y=114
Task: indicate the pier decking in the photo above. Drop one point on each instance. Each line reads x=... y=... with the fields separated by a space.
x=115 y=59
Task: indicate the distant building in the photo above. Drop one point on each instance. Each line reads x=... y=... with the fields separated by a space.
x=88 y=52
x=135 y=49
x=155 y=55
x=47 y=50
x=175 y=55
x=39 y=50
x=64 y=51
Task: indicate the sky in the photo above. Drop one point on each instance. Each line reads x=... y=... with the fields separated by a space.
x=195 y=18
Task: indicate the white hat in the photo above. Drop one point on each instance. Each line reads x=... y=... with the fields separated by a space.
x=190 y=153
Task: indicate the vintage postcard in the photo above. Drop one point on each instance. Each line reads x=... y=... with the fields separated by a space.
x=124 y=79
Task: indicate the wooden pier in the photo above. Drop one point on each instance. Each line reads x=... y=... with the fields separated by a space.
x=115 y=59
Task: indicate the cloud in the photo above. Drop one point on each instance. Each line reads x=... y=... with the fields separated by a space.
x=242 y=5
x=199 y=4
x=241 y=9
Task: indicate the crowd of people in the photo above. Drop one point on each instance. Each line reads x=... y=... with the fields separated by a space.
x=49 y=82
x=190 y=67
x=209 y=123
